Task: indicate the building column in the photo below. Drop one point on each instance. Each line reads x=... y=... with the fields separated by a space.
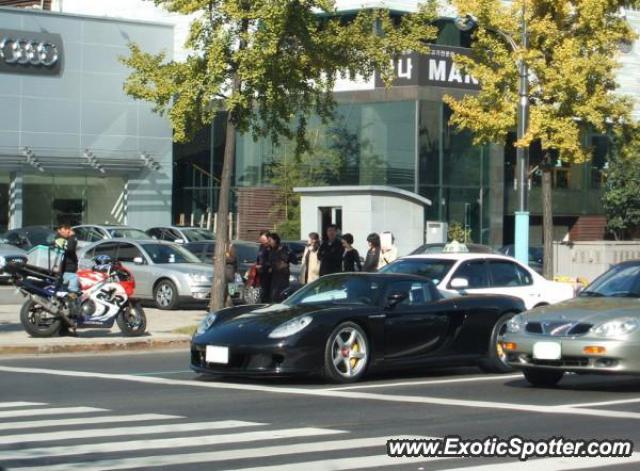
x=15 y=200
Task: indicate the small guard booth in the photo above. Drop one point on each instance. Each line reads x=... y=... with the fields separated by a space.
x=361 y=210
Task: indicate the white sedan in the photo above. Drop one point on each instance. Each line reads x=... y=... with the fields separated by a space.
x=477 y=273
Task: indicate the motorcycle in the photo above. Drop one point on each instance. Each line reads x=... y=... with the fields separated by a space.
x=107 y=290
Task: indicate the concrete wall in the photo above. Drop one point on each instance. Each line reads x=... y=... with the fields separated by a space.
x=591 y=259
x=364 y=214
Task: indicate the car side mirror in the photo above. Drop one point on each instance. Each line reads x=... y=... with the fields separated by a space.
x=459 y=283
x=396 y=298
x=138 y=260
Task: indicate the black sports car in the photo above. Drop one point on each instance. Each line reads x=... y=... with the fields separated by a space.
x=344 y=325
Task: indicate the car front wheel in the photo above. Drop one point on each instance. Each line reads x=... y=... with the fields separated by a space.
x=496 y=360
x=346 y=353
x=165 y=295
x=543 y=378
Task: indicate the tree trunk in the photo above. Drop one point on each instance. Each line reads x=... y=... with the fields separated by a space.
x=219 y=285
x=547 y=223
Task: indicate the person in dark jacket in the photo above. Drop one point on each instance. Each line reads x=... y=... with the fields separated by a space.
x=330 y=252
x=263 y=267
x=66 y=241
x=373 y=254
x=351 y=257
x=279 y=259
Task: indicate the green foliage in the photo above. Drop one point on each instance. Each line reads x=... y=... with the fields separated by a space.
x=572 y=59
x=621 y=197
x=458 y=233
x=284 y=55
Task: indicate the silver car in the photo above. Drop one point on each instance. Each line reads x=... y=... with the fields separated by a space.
x=8 y=250
x=89 y=233
x=165 y=273
x=181 y=234
x=597 y=332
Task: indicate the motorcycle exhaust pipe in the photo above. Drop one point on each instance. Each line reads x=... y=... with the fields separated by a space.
x=47 y=306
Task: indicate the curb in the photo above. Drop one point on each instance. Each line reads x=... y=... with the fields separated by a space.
x=97 y=347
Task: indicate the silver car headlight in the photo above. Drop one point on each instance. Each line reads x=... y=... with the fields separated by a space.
x=617 y=327
x=197 y=278
x=516 y=324
x=290 y=327
x=207 y=322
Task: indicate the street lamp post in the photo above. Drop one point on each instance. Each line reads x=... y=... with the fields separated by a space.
x=521 y=181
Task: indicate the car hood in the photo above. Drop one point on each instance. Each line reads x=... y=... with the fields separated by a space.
x=253 y=326
x=7 y=249
x=187 y=268
x=591 y=310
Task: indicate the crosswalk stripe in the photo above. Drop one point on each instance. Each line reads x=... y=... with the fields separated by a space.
x=165 y=443
x=556 y=464
x=126 y=431
x=212 y=456
x=354 y=462
x=52 y=411
x=6 y=405
x=105 y=419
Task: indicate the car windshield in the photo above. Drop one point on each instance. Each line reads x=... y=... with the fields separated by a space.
x=195 y=235
x=338 y=290
x=128 y=233
x=622 y=280
x=169 y=253
x=435 y=269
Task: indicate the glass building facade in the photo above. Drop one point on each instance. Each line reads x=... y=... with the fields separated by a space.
x=402 y=137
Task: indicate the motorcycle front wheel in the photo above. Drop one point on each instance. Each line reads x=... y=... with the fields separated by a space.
x=132 y=321
x=37 y=322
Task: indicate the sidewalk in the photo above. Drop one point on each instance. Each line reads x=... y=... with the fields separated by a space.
x=161 y=326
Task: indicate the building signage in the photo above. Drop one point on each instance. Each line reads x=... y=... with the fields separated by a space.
x=437 y=68
x=27 y=52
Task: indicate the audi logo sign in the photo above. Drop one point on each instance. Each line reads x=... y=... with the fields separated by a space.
x=26 y=52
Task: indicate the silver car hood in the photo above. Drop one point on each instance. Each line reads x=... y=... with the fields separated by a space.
x=186 y=268
x=587 y=309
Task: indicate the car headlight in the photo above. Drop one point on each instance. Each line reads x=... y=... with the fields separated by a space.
x=197 y=278
x=290 y=327
x=516 y=324
x=616 y=327
x=207 y=322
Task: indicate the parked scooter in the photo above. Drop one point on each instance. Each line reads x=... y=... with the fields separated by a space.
x=107 y=290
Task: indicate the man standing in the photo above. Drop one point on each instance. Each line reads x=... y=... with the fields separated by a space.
x=67 y=242
x=330 y=252
x=263 y=266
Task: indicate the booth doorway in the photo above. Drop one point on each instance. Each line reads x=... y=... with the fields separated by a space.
x=330 y=215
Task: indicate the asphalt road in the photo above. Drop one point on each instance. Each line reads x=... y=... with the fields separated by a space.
x=8 y=295
x=147 y=410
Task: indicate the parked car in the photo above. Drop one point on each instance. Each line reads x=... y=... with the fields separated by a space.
x=345 y=325
x=28 y=237
x=247 y=252
x=297 y=247
x=440 y=248
x=165 y=273
x=469 y=273
x=597 y=332
x=90 y=233
x=180 y=234
x=536 y=255
x=8 y=250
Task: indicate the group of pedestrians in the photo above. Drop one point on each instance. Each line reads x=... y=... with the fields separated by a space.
x=335 y=254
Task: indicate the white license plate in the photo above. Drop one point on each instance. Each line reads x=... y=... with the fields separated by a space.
x=217 y=354
x=547 y=351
